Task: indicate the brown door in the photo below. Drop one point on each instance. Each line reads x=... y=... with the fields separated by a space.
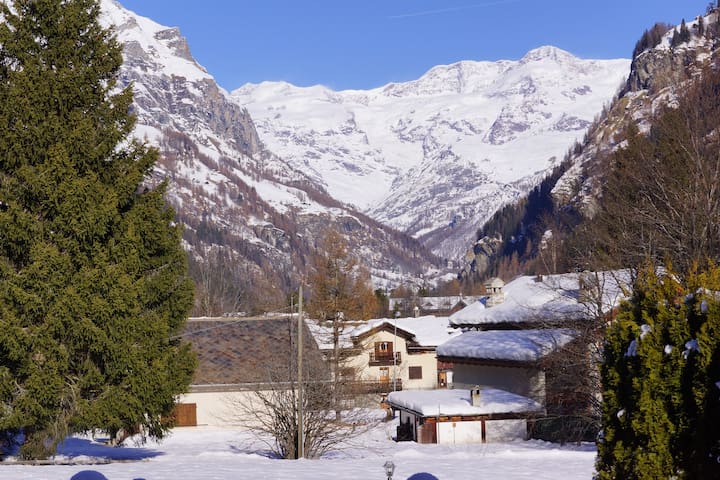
x=384 y=375
x=442 y=379
x=186 y=415
x=427 y=433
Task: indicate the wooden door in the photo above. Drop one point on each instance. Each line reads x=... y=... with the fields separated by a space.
x=384 y=375
x=442 y=379
x=186 y=415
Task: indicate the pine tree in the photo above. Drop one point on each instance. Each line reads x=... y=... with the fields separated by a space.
x=661 y=402
x=93 y=283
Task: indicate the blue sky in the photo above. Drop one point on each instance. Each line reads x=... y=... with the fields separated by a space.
x=364 y=44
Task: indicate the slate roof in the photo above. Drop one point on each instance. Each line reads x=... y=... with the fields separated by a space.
x=234 y=351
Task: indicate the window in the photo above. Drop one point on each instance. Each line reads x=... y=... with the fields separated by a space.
x=384 y=374
x=415 y=373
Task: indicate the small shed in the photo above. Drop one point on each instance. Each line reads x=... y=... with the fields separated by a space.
x=478 y=415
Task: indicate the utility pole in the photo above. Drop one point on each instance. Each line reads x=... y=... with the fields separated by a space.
x=301 y=440
x=394 y=354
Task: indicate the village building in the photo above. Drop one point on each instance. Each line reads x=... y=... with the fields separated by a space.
x=401 y=353
x=386 y=355
x=236 y=357
x=545 y=301
x=460 y=416
x=509 y=338
x=509 y=360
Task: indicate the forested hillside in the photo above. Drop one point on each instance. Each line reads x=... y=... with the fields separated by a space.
x=647 y=161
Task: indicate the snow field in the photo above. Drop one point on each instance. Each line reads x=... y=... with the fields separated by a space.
x=209 y=453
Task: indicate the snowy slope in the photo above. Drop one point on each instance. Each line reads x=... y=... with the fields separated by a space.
x=437 y=156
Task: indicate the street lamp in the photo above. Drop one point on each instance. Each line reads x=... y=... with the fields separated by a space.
x=389 y=469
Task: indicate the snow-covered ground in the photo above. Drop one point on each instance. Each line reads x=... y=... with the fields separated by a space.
x=209 y=453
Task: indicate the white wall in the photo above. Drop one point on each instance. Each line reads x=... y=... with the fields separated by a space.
x=219 y=408
x=471 y=431
x=428 y=362
x=459 y=432
x=505 y=430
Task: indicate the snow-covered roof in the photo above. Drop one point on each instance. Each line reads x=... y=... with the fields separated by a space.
x=432 y=403
x=323 y=335
x=512 y=345
x=549 y=298
x=468 y=314
x=427 y=331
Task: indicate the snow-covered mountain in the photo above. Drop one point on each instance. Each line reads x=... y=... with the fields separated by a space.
x=264 y=170
x=555 y=220
x=436 y=157
x=228 y=189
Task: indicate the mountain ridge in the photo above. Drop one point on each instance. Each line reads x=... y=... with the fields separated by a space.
x=382 y=149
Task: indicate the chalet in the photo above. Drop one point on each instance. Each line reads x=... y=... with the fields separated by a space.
x=478 y=415
x=390 y=354
x=401 y=353
x=237 y=356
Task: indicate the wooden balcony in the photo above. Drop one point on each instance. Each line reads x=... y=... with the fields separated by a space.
x=384 y=359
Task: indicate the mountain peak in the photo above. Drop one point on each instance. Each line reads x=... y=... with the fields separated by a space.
x=549 y=52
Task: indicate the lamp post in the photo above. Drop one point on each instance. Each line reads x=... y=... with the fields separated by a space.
x=389 y=467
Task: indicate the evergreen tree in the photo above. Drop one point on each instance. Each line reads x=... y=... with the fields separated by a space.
x=661 y=400
x=681 y=36
x=93 y=283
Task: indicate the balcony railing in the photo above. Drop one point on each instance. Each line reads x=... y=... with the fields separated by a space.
x=384 y=359
x=378 y=386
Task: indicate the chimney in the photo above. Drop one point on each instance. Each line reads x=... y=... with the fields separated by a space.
x=494 y=291
x=475 y=396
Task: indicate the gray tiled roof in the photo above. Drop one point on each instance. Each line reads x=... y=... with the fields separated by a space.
x=243 y=351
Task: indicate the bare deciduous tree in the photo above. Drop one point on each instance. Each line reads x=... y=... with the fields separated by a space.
x=341 y=296
x=272 y=407
x=662 y=195
x=573 y=375
x=217 y=286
